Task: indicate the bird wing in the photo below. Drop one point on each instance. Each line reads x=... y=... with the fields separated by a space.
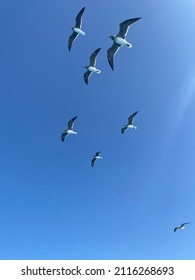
x=97 y=154
x=93 y=57
x=175 y=229
x=79 y=18
x=124 y=27
x=131 y=118
x=64 y=134
x=184 y=224
x=72 y=37
x=93 y=161
x=123 y=129
x=87 y=74
x=71 y=123
x=111 y=53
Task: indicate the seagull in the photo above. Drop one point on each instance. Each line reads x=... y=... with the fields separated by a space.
x=97 y=156
x=69 y=130
x=130 y=123
x=91 y=68
x=181 y=227
x=120 y=40
x=76 y=29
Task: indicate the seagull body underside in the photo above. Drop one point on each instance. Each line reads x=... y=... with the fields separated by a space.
x=122 y=42
x=128 y=127
x=78 y=31
x=98 y=157
x=69 y=131
x=94 y=69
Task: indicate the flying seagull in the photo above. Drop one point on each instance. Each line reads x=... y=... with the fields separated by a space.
x=91 y=67
x=130 y=123
x=76 y=29
x=182 y=226
x=69 y=130
x=120 y=40
x=97 y=156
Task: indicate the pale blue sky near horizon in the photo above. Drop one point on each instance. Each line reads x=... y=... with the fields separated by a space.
x=53 y=205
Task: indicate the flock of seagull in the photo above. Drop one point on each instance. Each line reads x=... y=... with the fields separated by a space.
x=119 y=40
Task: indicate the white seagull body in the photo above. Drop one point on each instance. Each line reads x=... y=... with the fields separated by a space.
x=69 y=130
x=79 y=31
x=76 y=29
x=130 y=123
x=91 y=67
x=120 y=40
x=182 y=226
x=97 y=156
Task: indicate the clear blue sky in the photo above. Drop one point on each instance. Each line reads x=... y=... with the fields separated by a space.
x=53 y=205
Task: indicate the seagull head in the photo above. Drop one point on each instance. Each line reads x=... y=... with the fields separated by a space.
x=111 y=37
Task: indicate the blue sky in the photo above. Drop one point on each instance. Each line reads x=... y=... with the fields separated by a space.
x=53 y=205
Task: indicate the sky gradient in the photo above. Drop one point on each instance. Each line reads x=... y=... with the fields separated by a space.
x=53 y=205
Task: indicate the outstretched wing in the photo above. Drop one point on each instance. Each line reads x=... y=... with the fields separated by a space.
x=87 y=74
x=111 y=53
x=93 y=161
x=124 y=27
x=93 y=57
x=64 y=134
x=123 y=129
x=79 y=18
x=97 y=154
x=184 y=224
x=175 y=229
x=131 y=118
x=71 y=123
x=72 y=38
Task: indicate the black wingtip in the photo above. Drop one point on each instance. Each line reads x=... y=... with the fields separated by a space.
x=69 y=44
x=112 y=66
x=138 y=18
x=97 y=50
x=82 y=10
x=86 y=82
